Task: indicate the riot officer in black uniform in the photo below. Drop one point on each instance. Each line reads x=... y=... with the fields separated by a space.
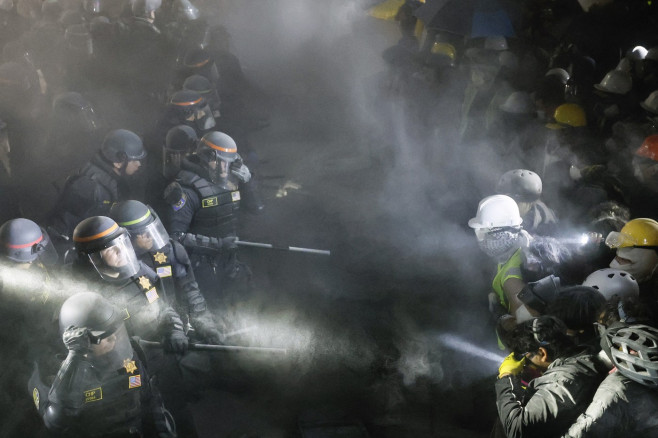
x=103 y=388
x=30 y=299
x=106 y=258
x=180 y=142
x=205 y=200
x=170 y=261
x=105 y=180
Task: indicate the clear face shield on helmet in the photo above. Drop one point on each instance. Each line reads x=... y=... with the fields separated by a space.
x=171 y=162
x=220 y=169
x=117 y=261
x=150 y=238
x=110 y=350
x=201 y=118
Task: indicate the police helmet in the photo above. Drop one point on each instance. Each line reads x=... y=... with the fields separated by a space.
x=96 y=233
x=90 y=310
x=181 y=138
x=122 y=145
x=142 y=223
x=215 y=146
x=21 y=240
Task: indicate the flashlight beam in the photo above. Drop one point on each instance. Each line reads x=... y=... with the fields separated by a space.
x=460 y=344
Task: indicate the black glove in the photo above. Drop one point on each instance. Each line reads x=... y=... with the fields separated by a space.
x=175 y=342
x=202 y=245
x=240 y=171
x=206 y=328
x=77 y=339
x=229 y=242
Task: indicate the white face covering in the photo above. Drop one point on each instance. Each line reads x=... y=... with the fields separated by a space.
x=643 y=262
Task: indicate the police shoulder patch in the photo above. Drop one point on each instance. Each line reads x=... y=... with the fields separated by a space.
x=180 y=204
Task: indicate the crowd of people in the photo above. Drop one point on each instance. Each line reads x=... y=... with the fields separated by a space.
x=568 y=102
x=125 y=259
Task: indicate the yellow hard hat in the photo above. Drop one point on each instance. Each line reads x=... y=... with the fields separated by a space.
x=386 y=10
x=642 y=232
x=568 y=114
x=444 y=49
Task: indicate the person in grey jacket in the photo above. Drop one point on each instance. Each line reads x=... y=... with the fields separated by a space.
x=552 y=402
x=626 y=403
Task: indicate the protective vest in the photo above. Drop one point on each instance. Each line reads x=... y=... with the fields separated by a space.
x=510 y=269
x=142 y=299
x=217 y=215
x=163 y=264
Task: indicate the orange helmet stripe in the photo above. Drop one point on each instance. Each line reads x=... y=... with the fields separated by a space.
x=219 y=148
x=25 y=245
x=188 y=103
x=96 y=236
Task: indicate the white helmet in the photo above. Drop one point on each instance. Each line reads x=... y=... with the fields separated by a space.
x=559 y=73
x=496 y=211
x=521 y=184
x=616 y=82
x=651 y=103
x=611 y=282
x=497 y=43
x=519 y=102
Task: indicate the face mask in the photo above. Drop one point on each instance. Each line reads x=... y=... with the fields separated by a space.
x=643 y=262
x=498 y=243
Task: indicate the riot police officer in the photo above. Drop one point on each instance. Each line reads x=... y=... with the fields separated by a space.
x=106 y=258
x=170 y=261
x=100 y=183
x=103 y=387
x=205 y=200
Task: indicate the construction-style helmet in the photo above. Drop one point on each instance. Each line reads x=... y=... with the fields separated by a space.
x=624 y=65
x=568 y=115
x=651 y=103
x=520 y=184
x=634 y=352
x=180 y=142
x=561 y=74
x=649 y=148
x=613 y=283
x=637 y=233
x=108 y=247
x=110 y=345
x=121 y=146
x=220 y=148
x=496 y=211
x=192 y=110
x=23 y=241
x=142 y=223
x=519 y=102
x=616 y=82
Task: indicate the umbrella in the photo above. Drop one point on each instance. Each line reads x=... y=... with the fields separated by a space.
x=471 y=18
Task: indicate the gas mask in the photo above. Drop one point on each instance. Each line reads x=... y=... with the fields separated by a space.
x=643 y=262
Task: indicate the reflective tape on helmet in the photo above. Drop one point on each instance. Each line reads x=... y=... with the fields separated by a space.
x=24 y=245
x=218 y=148
x=96 y=236
x=136 y=221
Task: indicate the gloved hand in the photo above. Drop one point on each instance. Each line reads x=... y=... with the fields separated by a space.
x=229 y=242
x=511 y=366
x=175 y=342
x=241 y=171
x=77 y=339
x=206 y=328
